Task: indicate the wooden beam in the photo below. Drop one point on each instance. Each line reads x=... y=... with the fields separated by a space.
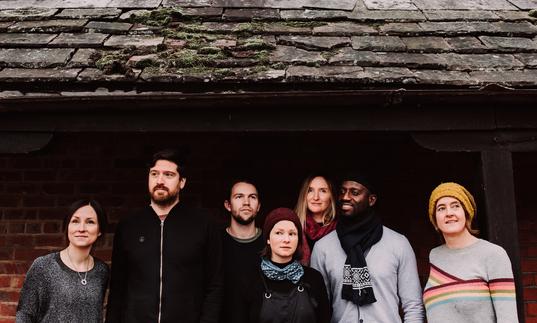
x=476 y=141
x=23 y=142
x=501 y=220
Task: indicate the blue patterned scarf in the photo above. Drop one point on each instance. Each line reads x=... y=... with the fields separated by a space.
x=292 y=272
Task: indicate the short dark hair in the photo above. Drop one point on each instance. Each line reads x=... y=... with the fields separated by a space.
x=102 y=219
x=172 y=155
x=235 y=181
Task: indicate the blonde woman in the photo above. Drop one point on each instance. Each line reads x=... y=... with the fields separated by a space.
x=316 y=210
x=470 y=279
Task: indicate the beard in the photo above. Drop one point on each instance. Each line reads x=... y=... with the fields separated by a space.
x=243 y=221
x=165 y=199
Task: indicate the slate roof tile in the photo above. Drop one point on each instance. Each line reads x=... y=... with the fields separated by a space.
x=79 y=40
x=107 y=27
x=509 y=44
x=27 y=14
x=466 y=44
x=90 y=13
x=529 y=60
x=461 y=15
x=344 y=29
x=48 y=26
x=25 y=39
x=426 y=44
x=141 y=41
x=378 y=43
x=442 y=77
x=35 y=58
x=293 y=55
x=41 y=74
x=249 y=14
x=84 y=57
x=314 y=42
x=4 y=25
x=374 y=43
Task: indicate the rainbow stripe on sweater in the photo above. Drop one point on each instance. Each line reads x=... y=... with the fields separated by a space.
x=444 y=288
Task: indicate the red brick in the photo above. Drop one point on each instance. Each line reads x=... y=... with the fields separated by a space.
x=33 y=227
x=104 y=255
x=111 y=201
x=17 y=281
x=54 y=240
x=25 y=163
x=38 y=201
x=41 y=175
x=531 y=309
x=528 y=280
x=9 y=296
x=530 y=294
x=19 y=214
x=9 y=201
x=6 y=253
x=56 y=213
x=28 y=254
x=52 y=227
x=58 y=188
x=20 y=240
x=532 y=251
x=92 y=188
x=95 y=163
x=5 y=281
x=10 y=176
x=75 y=175
x=8 y=309
x=59 y=163
x=529 y=265
x=530 y=319
x=15 y=227
x=22 y=188
x=7 y=320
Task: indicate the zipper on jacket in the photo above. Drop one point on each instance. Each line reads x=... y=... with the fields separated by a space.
x=160 y=277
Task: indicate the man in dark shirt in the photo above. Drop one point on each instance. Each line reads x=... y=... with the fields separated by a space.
x=166 y=260
x=242 y=243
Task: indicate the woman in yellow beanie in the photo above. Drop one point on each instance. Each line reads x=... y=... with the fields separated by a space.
x=470 y=279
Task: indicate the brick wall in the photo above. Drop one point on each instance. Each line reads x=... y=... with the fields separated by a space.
x=35 y=189
x=525 y=179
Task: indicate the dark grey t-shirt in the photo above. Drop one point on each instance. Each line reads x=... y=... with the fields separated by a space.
x=52 y=292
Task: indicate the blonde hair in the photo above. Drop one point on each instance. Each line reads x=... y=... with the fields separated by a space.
x=301 y=208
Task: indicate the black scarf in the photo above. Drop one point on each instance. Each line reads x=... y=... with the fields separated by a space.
x=357 y=234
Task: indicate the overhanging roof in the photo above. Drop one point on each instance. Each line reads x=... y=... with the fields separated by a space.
x=65 y=48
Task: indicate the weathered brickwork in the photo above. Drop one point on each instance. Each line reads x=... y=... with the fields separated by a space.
x=35 y=189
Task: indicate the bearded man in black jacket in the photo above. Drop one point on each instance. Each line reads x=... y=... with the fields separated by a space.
x=166 y=259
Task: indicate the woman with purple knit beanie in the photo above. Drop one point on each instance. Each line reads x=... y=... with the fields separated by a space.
x=282 y=290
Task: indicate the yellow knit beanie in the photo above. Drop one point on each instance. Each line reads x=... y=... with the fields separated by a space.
x=454 y=190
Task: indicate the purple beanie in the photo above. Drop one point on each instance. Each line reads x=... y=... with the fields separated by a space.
x=281 y=214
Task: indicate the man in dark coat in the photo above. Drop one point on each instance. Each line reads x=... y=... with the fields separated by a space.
x=166 y=260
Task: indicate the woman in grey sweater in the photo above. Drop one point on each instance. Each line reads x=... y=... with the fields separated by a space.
x=69 y=285
x=470 y=279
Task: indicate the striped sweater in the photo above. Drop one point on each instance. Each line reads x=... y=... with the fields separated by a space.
x=472 y=284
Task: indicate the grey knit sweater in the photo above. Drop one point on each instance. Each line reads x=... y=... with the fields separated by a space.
x=52 y=292
x=394 y=274
x=471 y=284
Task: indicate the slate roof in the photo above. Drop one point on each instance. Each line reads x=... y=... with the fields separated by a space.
x=133 y=46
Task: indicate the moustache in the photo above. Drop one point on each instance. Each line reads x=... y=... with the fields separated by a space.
x=160 y=187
